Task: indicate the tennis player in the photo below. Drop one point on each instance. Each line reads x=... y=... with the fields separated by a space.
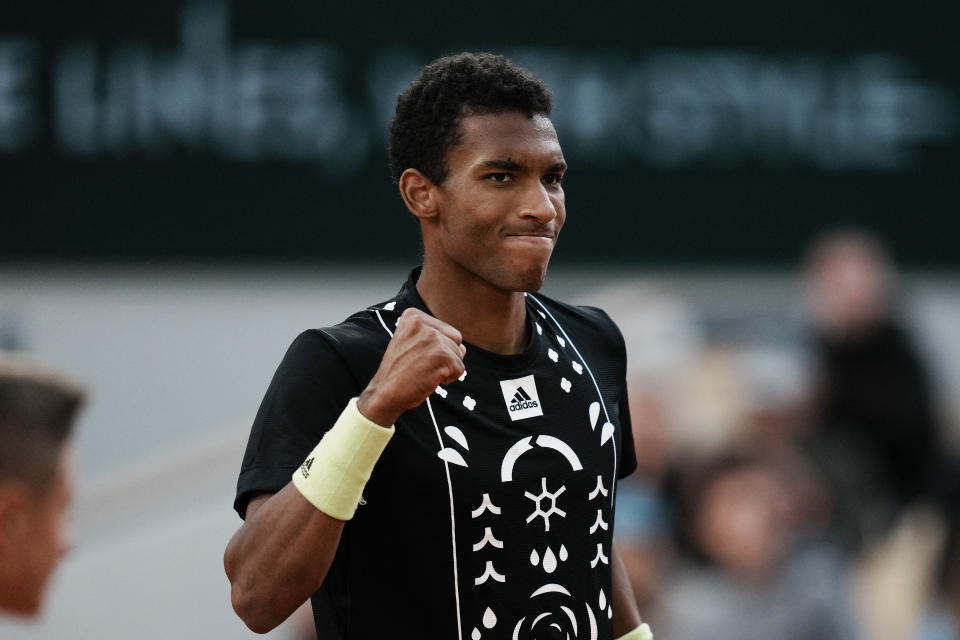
x=471 y=431
x=37 y=410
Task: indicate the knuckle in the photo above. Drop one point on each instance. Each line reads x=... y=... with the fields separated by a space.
x=451 y=371
x=410 y=322
x=410 y=315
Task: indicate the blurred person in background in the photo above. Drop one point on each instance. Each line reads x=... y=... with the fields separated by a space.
x=874 y=431
x=643 y=516
x=941 y=619
x=37 y=411
x=743 y=572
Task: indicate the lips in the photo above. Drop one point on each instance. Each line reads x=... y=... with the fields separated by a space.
x=532 y=234
x=532 y=240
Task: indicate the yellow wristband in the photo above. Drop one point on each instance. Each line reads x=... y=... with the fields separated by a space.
x=640 y=633
x=334 y=474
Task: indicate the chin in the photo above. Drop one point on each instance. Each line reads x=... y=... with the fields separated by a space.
x=531 y=280
x=23 y=606
x=514 y=276
x=532 y=286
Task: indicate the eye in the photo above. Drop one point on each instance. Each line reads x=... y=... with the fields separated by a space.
x=499 y=177
x=553 y=178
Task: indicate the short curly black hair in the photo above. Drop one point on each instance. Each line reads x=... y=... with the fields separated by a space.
x=426 y=123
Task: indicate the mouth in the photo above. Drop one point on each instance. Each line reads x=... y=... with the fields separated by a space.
x=536 y=237
x=535 y=241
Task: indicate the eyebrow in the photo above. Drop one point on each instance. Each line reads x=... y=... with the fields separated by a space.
x=506 y=164
x=512 y=165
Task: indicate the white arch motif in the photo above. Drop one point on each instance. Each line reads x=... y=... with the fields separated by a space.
x=523 y=445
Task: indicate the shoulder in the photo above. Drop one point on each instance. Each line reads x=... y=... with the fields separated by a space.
x=583 y=322
x=357 y=343
x=367 y=329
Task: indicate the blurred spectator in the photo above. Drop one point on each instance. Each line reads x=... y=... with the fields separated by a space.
x=874 y=432
x=746 y=576
x=941 y=621
x=775 y=413
x=37 y=409
x=642 y=514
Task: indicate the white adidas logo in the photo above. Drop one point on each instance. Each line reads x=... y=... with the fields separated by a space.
x=521 y=397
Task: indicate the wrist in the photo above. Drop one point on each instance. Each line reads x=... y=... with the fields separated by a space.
x=334 y=474
x=640 y=633
x=376 y=409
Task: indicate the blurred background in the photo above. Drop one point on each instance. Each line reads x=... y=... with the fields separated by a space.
x=763 y=196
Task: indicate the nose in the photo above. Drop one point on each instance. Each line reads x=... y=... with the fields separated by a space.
x=539 y=204
x=64 y=535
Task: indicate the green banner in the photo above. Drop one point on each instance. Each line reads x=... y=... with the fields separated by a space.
x=255 y=132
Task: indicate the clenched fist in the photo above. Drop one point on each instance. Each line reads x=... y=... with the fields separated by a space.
x=423 y=353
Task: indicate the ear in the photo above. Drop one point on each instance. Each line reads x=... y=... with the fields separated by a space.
x=14 y=499
x=418 y=193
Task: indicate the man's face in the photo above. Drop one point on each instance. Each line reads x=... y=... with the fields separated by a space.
x=741 y=522
x=34 y=540
x=502 y=205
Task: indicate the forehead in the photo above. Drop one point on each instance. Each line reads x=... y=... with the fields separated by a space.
x=506 y=135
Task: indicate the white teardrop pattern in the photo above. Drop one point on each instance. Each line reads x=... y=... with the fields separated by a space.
x=594 y=414
x=549 y=561
x=489 y=618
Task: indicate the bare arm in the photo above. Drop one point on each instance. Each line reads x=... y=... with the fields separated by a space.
x=282 y=552
x=626 y=616
x=279 y=557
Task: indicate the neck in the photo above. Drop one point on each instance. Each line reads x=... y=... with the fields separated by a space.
x=487 y=317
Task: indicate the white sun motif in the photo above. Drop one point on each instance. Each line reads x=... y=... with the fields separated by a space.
x=553 y=504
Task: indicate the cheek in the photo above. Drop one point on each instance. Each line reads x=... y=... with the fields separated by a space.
x=560 y=205
x=62 y=540
x=35 y=567
x=472 y=232
x=52 y=542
